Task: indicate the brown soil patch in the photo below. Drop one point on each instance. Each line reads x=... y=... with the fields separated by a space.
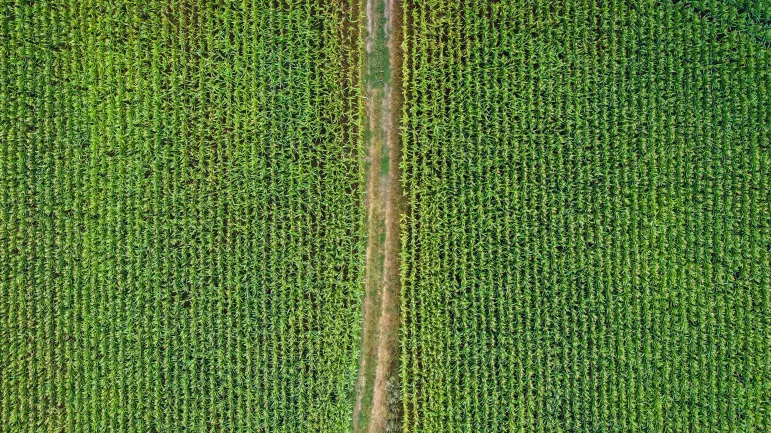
x=380 y=328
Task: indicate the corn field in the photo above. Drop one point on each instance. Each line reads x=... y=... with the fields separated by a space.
x=181 y=241
x=186 y=219
x=588 y=243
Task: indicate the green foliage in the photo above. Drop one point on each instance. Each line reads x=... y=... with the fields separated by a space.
x=393 y=422
x=588 y=245
x=181 y=229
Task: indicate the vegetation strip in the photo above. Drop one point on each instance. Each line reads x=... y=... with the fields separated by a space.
x=181 y=229
x=588 y=242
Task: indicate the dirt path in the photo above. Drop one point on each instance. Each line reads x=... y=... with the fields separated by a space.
x=373 y=412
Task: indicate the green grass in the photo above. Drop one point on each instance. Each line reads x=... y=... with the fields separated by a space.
x=588 y=245
x=181 y=219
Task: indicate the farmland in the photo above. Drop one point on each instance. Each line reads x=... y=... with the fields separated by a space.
x=383 y=215
x=588 y=240
x=181 y=222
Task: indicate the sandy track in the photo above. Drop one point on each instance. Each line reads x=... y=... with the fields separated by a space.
x=380 y=326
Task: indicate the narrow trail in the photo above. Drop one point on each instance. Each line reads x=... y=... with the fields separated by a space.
x=377 y=379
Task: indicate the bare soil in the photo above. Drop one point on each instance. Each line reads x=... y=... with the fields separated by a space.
x=380 y=327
